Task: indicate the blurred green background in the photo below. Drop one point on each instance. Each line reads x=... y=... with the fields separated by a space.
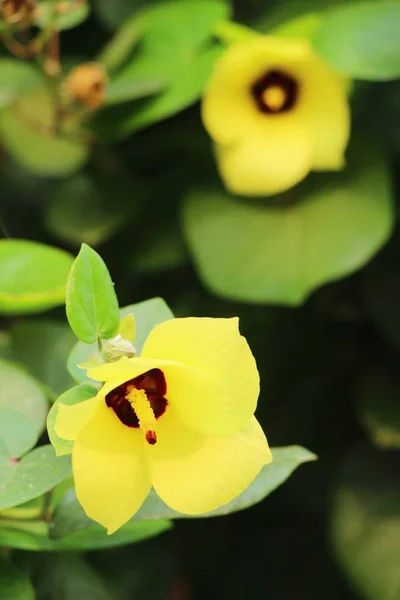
x=123 y=181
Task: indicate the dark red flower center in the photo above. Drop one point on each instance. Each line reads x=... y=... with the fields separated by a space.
x=275 y=92
x=153 y=383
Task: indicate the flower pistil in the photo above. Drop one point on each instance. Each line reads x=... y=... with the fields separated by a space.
x=145 y=414
x=275 y=92
x=139 y=402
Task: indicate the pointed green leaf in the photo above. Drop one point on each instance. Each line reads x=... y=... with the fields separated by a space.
x=92 y=305
x=120 y=47
x=36 y=473
x=181 y=63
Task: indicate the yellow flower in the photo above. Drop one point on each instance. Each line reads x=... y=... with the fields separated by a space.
x=179 y=418
x=276 y=111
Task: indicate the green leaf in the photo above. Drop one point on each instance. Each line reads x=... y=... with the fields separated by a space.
x=33 y=535
x=286 y=460
x=95 y=536
x=80 y=393
x=185 y=89
x=14 y=584
x=69 y=517
x=366 y=523
x=63 y=16
x=147 y=315
x=183 y=61
x=120 y=47
x=281 y=13
x=18 y=434
x=303 y=26
x=126 y=90
x=36 y=473
x=360 y=40
x=21 y=393
x=92 y=304
x=319 y=231
x=378 y=392
x=43 y=346
x=33 y=277
x=28 y=124
x=16 y=79
x=82 y=210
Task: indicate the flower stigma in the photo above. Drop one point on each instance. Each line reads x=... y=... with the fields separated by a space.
x=274 y=97
x=275 y=92
x=145 y=414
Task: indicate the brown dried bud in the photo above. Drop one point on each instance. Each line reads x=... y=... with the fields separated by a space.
x=17 y=12
x=86 y=85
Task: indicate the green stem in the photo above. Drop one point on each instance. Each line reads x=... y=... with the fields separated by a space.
x=230 y=32
x=34 y=527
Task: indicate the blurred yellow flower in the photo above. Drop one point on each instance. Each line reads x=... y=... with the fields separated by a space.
x=276 y=111
x=179 y=418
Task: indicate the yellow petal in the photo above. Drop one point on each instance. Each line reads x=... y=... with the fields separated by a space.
x=111 y=476
x=324 y=103
x=267 y=164
x=72 y=418
x=229 y=111
x=124 y=368
x=217 y=392
x=194 y=473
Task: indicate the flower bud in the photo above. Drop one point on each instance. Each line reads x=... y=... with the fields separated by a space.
x=17 y=12
x=116 y=348
x=86 y=85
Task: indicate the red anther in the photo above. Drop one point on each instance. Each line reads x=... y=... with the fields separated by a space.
x=151 y=438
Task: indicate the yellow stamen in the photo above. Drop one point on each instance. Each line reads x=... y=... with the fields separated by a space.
x=274 y=97
x=142 y=407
